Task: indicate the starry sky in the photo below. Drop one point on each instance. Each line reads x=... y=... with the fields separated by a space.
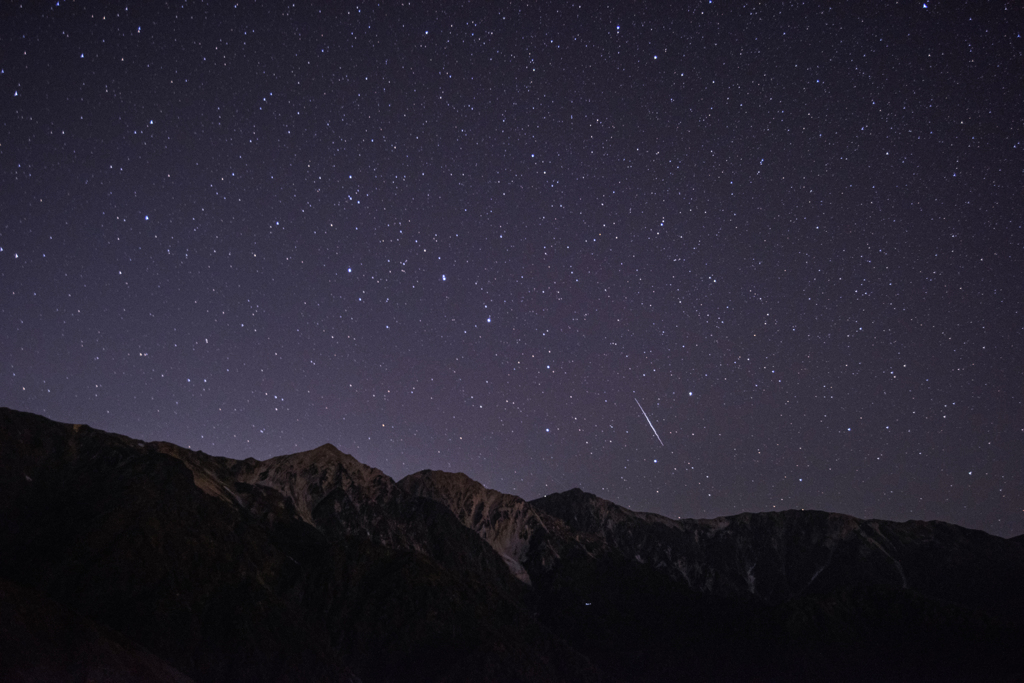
x=489 y=237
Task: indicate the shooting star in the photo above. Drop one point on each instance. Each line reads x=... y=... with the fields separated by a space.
x=648 y=421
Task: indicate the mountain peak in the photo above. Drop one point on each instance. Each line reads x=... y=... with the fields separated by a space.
x=329 y=562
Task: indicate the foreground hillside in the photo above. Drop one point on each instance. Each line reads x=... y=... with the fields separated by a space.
x=125 y=560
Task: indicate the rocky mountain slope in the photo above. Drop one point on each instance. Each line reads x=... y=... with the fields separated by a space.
x=516 y=530
x=772 y=556
x=125 y=560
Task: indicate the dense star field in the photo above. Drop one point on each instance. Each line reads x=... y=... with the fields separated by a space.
x=489 y=239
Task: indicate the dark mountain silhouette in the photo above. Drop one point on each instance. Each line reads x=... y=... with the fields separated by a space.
x=130 y=561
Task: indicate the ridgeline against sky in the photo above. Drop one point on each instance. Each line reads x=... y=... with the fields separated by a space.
x=474 y=238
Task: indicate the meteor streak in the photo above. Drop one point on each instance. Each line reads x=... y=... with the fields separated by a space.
x=648 y=421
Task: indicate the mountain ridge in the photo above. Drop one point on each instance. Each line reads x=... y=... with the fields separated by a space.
x=314 y=566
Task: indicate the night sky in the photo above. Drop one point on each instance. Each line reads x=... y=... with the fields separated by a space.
x=481 y=236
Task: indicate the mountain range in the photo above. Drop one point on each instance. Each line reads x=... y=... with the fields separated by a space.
x=123 y=560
